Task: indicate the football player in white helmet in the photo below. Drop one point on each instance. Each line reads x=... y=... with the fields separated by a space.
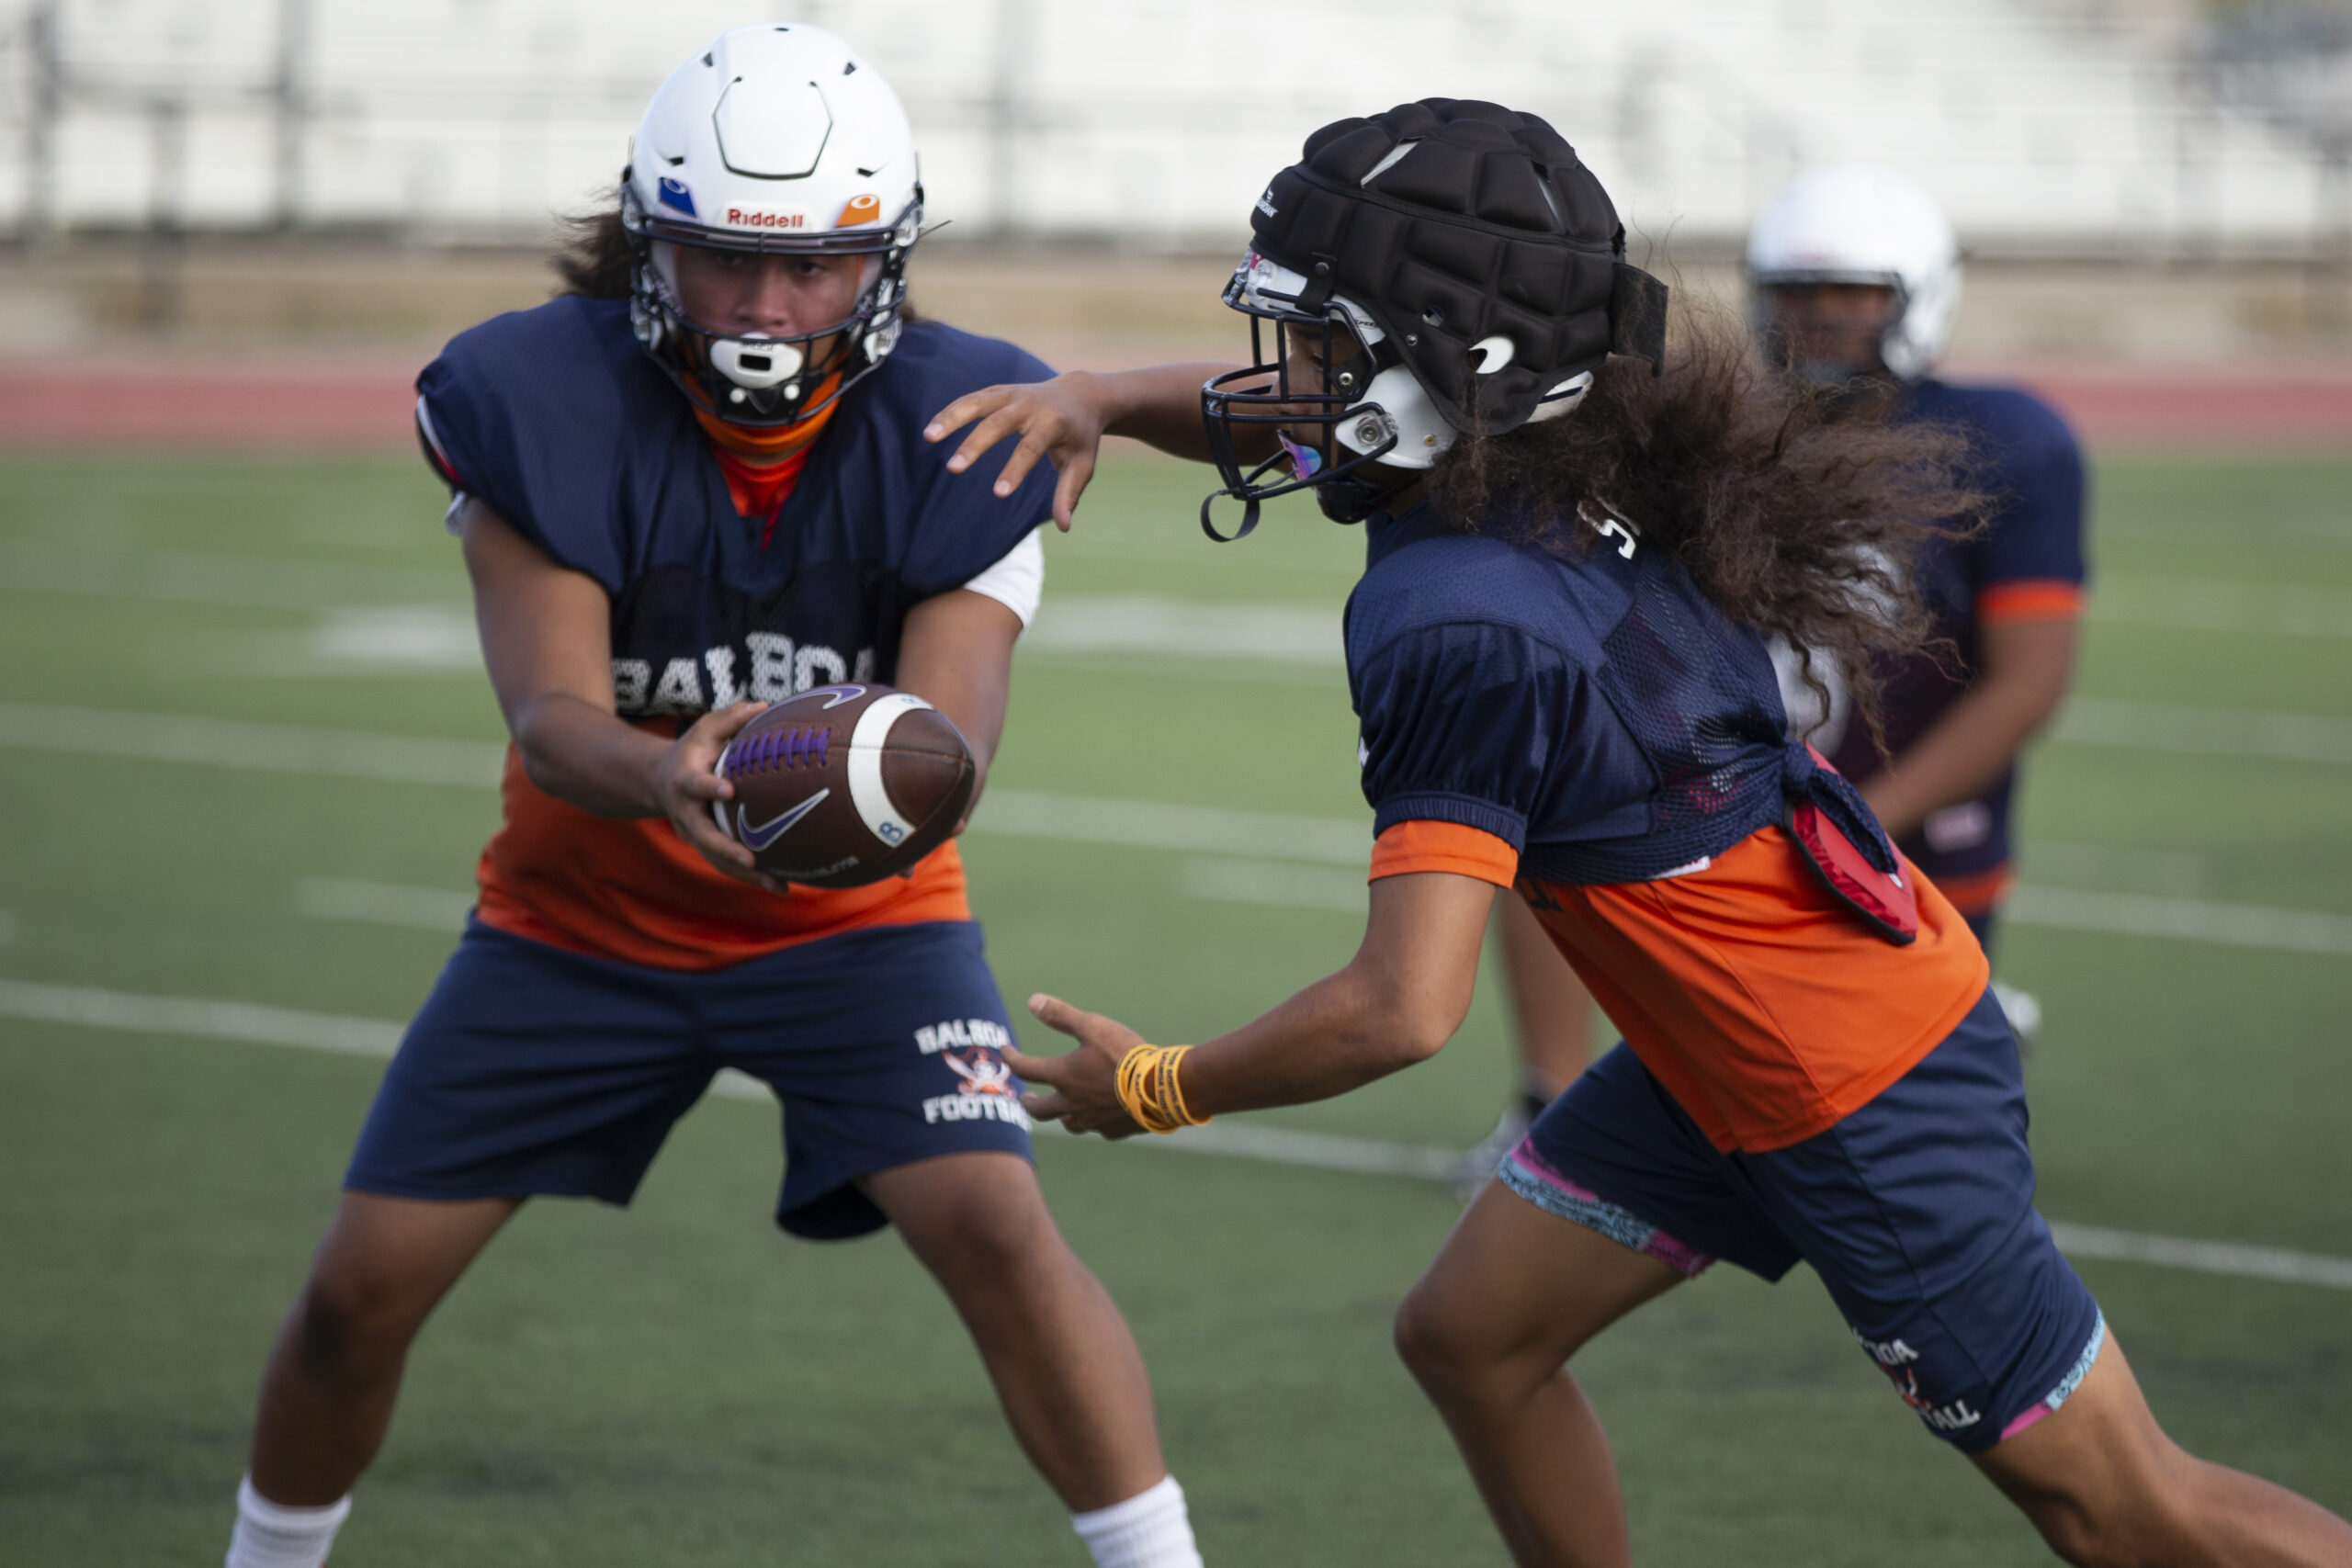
x=694 y=484
x=1854 y=280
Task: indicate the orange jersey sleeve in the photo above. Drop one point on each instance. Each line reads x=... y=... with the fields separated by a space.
x=1443 y=846
x=1762 y=1003
x=2030 y=601
x=633 y=890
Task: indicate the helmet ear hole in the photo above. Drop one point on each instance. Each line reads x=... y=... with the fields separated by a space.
x=1491 y=354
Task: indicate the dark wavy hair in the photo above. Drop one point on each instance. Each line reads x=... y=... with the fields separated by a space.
x=1796 y=511
x=593 y=255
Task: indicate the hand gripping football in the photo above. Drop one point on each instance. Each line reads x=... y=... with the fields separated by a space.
x=844 y=786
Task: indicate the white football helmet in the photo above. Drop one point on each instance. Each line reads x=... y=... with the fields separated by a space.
x=1858 y=223
x=776 y=139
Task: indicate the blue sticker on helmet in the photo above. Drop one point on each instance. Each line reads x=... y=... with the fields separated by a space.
x=676 y=194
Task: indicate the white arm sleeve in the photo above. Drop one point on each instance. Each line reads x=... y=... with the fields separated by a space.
x=1018 y=581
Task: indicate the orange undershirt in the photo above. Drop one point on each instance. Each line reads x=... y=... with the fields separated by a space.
x=634 y=891
x=1761 y=1003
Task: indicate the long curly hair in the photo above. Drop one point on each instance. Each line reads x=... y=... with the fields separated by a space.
x=1796 y=511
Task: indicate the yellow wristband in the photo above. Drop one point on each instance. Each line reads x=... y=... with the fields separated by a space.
x=1148 y=1088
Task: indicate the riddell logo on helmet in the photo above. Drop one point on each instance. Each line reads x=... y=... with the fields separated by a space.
x=766 y=218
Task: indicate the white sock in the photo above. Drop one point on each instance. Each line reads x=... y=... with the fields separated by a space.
x=271 y=1535
x=1149 y=1529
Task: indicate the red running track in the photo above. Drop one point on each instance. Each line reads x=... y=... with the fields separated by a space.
x=111 y=402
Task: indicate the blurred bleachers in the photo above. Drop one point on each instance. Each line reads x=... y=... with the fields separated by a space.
x=1151 y=121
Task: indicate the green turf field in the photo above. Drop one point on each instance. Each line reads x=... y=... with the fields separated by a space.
x=678 y=1384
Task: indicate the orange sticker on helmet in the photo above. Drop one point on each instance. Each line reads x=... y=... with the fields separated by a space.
x=860 y=210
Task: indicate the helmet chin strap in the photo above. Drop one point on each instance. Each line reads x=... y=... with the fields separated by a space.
x=1356 y=495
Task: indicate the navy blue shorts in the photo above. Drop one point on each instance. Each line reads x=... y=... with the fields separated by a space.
x=1916 y=1211
x=534 y=1071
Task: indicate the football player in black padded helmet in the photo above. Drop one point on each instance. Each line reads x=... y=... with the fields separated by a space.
x=1558 y=656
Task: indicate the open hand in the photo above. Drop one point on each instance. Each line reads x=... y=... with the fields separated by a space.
x=1061 y=421
x=1081 y=1088
x=690 y=786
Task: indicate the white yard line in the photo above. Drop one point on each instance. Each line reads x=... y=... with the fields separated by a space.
x=1270 y=881
x=1142 y=623
x=1152 y=824
x=2211 y=732
x=207 y=1020
x=246 y=582
x=2184 y=919
x=265 y=748
x=1068 y=818
x=253 y=1023
x=383 y=904
x=2204 y=1257
x=2067 y=909
x=2205 y=604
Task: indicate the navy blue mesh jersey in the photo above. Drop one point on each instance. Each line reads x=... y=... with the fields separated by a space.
x=557 y=421
x=1582 y=703
x=2027 y=563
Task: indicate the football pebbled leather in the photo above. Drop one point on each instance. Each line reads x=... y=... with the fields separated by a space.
x=840 y=786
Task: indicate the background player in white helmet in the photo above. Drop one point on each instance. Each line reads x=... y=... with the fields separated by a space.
x=1854 y=280
x=695 y=483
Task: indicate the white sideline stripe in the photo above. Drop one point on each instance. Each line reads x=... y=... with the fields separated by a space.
x=2203 y=604
x=2214 y=732
x=1318 y=1151
x=1122 y=665
x=1151 y=825
x=383 y=904
x=264 y=747
x=1266 y=882
x=2204 y=1257
x=396 y=758
x=1140 y=623
x=191 y=576
x=1069 y=819
x=2187 y=919
x=204 y=1018
x=2067 y=909
x=251 y=1023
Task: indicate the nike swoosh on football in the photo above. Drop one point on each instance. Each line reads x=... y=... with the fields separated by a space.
x=768 y=832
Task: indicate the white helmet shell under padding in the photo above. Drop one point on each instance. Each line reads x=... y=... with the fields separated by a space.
x=1397 y=401
x=1859 y=223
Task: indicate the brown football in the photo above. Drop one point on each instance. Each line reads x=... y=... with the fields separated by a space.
x=842 y=785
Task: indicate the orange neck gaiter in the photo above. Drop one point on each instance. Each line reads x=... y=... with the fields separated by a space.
x=762 y=467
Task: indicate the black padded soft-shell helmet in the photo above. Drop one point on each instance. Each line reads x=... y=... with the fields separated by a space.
x=1472 y=249
x=1453 y=221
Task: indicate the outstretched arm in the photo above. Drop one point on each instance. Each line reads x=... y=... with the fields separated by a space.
x=957 y=654
x=547 y=638
x=1064 y=421
x=1399 y=999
